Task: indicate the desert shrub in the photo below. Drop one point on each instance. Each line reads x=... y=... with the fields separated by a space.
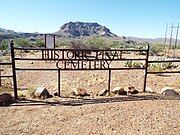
x=97 y=43
x=138 y=64
x=39 y=43
x=4 y=45
x=117 y=44
x=155 y=68
x=22 y=42
x=133 y=64
x=62 y=43
x=31 y=92
x=178 y=47
x=156 y=49
x=128 y=63
x=159 y=67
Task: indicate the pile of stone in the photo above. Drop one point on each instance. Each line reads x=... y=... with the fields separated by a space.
x=118 y=91
x=42 y=92
x=5 y=99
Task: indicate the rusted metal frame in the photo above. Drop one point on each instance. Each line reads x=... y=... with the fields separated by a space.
x=109 y=69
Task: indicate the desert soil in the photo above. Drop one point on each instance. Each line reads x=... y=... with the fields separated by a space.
x=139 y=114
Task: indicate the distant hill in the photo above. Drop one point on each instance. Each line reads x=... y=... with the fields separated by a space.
x=10 y=34
x=81 y=29
x=153 y=40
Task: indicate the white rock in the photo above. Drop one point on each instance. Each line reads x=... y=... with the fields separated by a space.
x=149 y=90
x=103 y=92
x=42 y=92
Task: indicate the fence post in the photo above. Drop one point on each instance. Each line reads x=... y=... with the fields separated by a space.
x=0 y=77
x=109 y=81
x=13 y=70
x=146 y=68
x=59 y=83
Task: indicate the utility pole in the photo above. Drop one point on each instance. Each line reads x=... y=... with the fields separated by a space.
x=175 y=45
x=166 y=35
x=171 y=34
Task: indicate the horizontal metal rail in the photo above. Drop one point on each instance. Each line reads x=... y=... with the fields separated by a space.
x=56 y=49
x=163 y=61
x=168 y=72
x=40 y=59
x=5 y=76
x=5 y=63
x=55 y=69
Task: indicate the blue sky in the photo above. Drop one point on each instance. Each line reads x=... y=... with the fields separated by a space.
x=139 y=18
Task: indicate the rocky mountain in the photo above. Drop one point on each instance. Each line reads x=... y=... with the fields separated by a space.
x=81 y=29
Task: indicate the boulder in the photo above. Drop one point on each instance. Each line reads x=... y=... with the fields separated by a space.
x=5 y=99
x=103 y=92
x=169 y=91
x=42 y=92
x=119 y=91
x=80 y=92
x=132 y=90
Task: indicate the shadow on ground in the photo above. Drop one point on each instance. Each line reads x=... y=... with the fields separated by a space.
x=84 y=101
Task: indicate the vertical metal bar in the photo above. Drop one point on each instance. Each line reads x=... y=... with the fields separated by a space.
x=45 y=40
x=13 y=70
x=0 y=77
x=42 y=54
x=109 y=81
x=54 y=36
x=146 y=68
x=59 y=83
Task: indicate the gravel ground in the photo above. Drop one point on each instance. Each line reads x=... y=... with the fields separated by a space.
x=156 y=117
x=136 y=115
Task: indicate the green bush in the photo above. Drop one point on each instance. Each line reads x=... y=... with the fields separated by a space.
x=4 y=45
x=156 y=49
x=22 y=42
x=117 y=44
x=97 y=42
x=133 y=64
x=39 y=43
x=155 y=68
